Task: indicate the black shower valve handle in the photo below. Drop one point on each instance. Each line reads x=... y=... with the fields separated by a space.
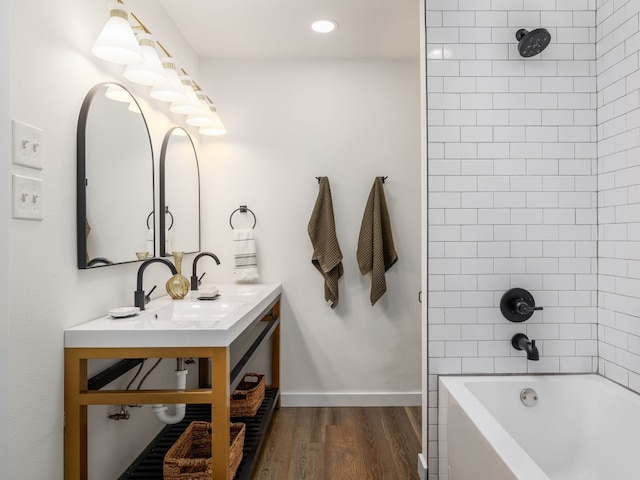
x=517 y=305
x=522 y=307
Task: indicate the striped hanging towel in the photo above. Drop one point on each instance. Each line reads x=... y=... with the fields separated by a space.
x=246 y=263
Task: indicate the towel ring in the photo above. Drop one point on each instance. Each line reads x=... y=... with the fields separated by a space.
x=166 y=210
x=243 y=209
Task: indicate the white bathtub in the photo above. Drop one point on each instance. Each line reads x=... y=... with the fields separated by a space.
x=583 y=427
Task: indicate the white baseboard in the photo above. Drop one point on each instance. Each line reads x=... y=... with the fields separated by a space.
x=409 y=399
x=423 y=470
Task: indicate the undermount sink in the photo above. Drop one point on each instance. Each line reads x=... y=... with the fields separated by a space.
x=204 y=309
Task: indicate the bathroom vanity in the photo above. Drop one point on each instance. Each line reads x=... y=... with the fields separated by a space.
x=176 y=329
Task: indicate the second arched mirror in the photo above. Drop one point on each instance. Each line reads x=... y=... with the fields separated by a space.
x=179 y=194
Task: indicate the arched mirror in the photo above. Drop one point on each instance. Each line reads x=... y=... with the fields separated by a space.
x=114 y=179
x=179 y=194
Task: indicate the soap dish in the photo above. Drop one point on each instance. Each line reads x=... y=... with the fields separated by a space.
x=204 y=296
x=124 y=312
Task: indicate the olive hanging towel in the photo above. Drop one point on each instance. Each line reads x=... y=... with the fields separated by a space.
x=327 y=256
x=376 y=252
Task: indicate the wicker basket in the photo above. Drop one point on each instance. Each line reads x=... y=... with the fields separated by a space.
x=190 y=457
x=248 y=396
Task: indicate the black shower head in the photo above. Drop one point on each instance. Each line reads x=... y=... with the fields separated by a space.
x=533 y=42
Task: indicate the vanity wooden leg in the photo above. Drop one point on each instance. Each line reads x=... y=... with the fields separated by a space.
x=220 y=411
x=75 y=431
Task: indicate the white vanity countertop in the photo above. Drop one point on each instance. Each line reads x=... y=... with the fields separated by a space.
x=179 y=323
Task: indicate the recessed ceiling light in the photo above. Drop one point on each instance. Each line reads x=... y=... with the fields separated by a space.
x=324 y=26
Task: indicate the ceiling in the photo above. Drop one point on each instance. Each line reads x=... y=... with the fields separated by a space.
x=281 y=28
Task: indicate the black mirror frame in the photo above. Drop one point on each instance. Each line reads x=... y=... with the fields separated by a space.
x=163 y=199
x=81 y=181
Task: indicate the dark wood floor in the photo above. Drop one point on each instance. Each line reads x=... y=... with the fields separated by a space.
x=371 y=443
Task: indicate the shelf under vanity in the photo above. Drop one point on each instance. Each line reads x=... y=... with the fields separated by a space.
x=200 y=333
x=148 y=465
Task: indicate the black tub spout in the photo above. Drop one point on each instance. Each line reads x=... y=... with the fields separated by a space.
x=521 y=342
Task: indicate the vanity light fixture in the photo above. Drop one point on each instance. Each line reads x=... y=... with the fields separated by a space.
x=207 y=119
x=117 y=42
x=173 y=90
x=114 y=92
x=324 y=25
x=203 y=117
x=217 y=128
x=150 y=71
x=190 y=104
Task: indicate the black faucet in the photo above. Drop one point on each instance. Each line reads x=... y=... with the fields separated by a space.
x=521 y=342
x=195 y=281
x=139 y=297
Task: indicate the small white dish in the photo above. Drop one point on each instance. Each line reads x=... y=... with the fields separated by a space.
x=124 y=312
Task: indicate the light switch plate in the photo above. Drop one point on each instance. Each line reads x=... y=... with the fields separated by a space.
x=27 y=198
x=27 y=145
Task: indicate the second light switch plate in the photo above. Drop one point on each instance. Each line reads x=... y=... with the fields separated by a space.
x=27 y=145
x=28 y=200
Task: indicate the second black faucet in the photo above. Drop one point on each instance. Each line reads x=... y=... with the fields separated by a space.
x=195 y=281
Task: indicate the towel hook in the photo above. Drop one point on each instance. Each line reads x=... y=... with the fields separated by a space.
x=243 y=209
x=383 y=179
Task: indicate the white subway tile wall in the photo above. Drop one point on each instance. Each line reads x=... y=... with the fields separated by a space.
x=618 y=80
x=513 y=182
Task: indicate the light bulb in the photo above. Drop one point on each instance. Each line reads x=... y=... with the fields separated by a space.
x=116 y=42
x=150 y=71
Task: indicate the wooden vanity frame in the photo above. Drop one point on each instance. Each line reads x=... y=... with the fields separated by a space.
x=77 y=396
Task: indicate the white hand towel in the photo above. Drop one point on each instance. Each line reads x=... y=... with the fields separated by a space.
x=246 y=262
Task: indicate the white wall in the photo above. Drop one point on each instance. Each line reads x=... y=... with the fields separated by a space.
x=618 y=44
x=351 y=120
x=51 y=70
x=512 y=188
x=5 y=135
